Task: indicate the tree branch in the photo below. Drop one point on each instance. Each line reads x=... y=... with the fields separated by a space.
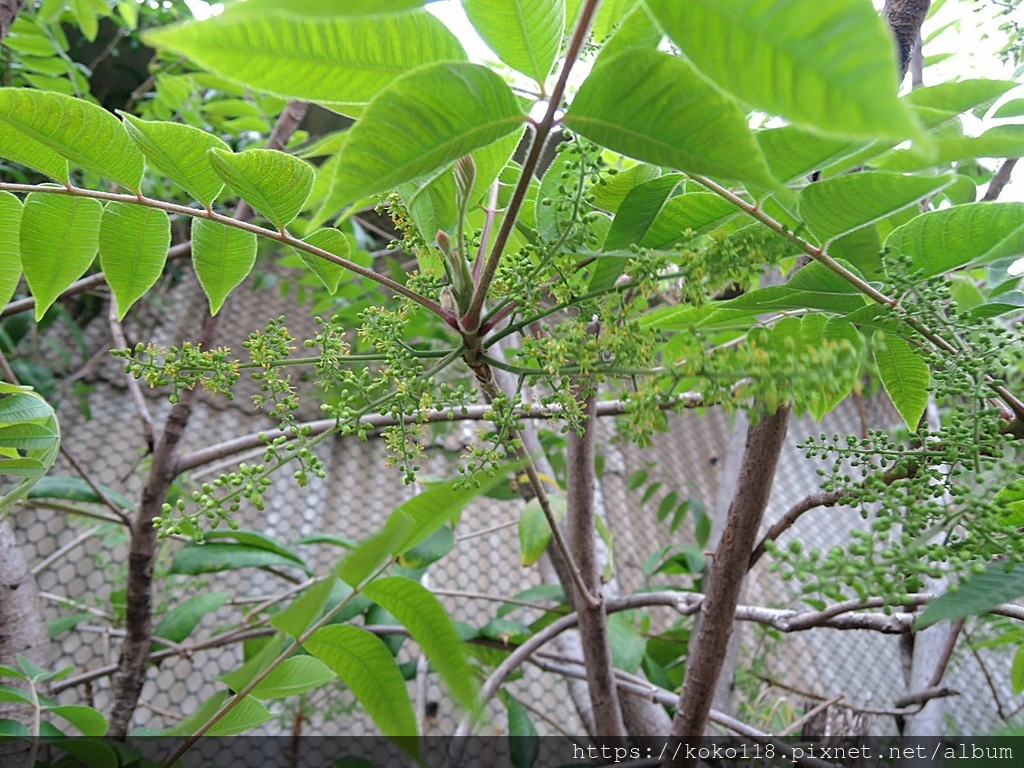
x=709 y=642
x=593 y=621
x=9 y=10
x=1000 y=180
x=433 y=416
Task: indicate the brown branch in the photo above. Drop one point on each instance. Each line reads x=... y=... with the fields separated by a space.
x=922 y=697
x=709 y=642
x=593 y=620
x=9 y=9
x=788 y=520
x=1000 y=180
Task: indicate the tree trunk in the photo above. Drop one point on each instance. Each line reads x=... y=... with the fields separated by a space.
x=9 y=9
x=710 y=641
x=22 y=628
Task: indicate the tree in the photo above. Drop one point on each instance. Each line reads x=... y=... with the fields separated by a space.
x=671 y=256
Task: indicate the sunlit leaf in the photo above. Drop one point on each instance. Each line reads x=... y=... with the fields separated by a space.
x=223 y=256
x=940 y=241
x=833 y=207
x=337 y=61
x=905 y=375
x=133 y=248
x=824 y=66
x=180 y=151
x=10 y=248
x=534 y=531
x=657 y=108
x=274 y=183
x=422 y=121
x=305 y=609
x=59 y=239
x=244 y=716
x=83 y=133
x=525 y=34
x=294 y=676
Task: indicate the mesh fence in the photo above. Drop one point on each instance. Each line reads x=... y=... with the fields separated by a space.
x=80 y=563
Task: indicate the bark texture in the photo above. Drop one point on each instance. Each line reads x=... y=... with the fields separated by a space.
x=905 y=18
x=593 y=619
x=9 y=10
x=710 y=642
x=22 y=628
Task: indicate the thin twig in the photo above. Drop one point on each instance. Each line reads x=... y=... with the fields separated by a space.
x=796 y=725
x=93 y=485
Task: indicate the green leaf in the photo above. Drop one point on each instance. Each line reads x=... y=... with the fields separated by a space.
x=687 y=216
x=436 y=546
x=77 y=490
x=25 y=436
x=938 y=103
x=325 y=8
x=628 y=647
x=342 y=62
x=829 y=67
x=225 y=556
x=1017 y=671
x=182 y=620
x=526 y=34
x=1011 y=108
x=423 y=120
x=328 y=272
x=1002 y=141
x=274 y=183
x=28 y=468
x=81 y=132
x=305 y=609
x=657 y=108
x=1000 y=583
x=414 y=522
x=905 y=376
x=26 y=151
x=639 y=209
x=133 y=248
x=523 y=741
x=294 y=676
x=430 y=626
x=366 y=666
x=222 y=256
x=8 y=693
x=86 y=719
x=92 y=753
x=237 y=679
x=59 y=239
x=181 y=152
x=793 y=152
x=258 y=540
x=10 y=249
x=23 y=407
x=940 y=241
x=534 y=531
x=833 y=207
x=244 y=716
